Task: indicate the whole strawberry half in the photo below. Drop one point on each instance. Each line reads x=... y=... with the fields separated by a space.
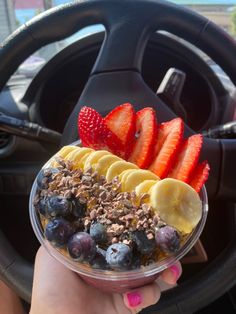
x=169 y=138
x=145 y=138
x=187 y=158
x=121 y=121
x=94 y=133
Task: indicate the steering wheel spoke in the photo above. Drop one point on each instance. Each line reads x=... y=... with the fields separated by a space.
x=127 y=33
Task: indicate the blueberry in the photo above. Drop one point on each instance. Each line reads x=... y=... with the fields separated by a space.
x=58 y=231
x=41 y=206
x=144 y=245
x=78 y=209
x=136 y=261
x=168 y=239
x=58 y=205
x=45 y=176
x=98 y=232
x=119 y=256
x=82 y=247
x=99 y=261
x=101 y=252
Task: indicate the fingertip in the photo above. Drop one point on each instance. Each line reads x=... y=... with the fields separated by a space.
x=172 y=274
x=142 y=297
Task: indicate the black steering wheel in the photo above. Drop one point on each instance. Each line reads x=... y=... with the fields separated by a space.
x=116 y=79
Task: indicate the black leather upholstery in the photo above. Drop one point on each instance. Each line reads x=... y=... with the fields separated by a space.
x=14 y=270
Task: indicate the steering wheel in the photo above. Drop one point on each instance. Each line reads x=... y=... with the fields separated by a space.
x=115 y=79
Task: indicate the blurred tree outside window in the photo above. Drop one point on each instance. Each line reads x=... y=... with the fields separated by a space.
x=7 y=19
x=233 y=22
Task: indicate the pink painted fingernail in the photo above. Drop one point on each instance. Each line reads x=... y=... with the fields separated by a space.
x=175 y=271
x=134 y=299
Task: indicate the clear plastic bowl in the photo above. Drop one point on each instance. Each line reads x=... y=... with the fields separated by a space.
x=114 y=281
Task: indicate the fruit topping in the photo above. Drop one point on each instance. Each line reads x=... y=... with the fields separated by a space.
x=98 y=232
x=145 y=138
x=144 y=187
x=58 y=205
x=187 y=158
x=99 y=261
x=138 y=138
x=124 y=174
x=177 y=203
x=168 y=239
x=44 y=176
x=66 y=150
x=94 y=157
x=82 y=247
x=136 y=177
x=119 y=256
x=41 y=206
x=104 y=163
x=121 y=121
x=77 y=154
x=117 y=168
x=169 y=137
x=63 y=152
x=199 y=175
x=144 y=244
x=136 y=260
x=95 y=134
x=78 y=209
x=58 y=231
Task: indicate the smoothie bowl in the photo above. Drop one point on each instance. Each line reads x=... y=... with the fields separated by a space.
x=115 y=224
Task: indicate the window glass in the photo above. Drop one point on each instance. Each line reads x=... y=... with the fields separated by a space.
x=14 y=13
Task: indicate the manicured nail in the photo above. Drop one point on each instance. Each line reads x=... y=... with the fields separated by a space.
x=134 y=299
x=175 y=271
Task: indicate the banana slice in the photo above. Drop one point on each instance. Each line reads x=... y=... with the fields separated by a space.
x=136 y=177
x=77 y=154
x=63 y=152
x=144 y=187
x=81 y=162
x=117 y=167
x=104 y=163
x=124 y=174
x=177 y=203
x=94 y=157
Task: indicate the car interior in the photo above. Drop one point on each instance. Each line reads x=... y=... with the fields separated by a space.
x=151 y=53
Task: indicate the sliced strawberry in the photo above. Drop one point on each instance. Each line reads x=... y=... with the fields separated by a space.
x=146 y=132
x=94 y=133
x=169 y=137
x=121 y=121
x=199 y=175
x=187 y=158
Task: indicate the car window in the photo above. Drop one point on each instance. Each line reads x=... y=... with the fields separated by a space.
x=14 y=13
